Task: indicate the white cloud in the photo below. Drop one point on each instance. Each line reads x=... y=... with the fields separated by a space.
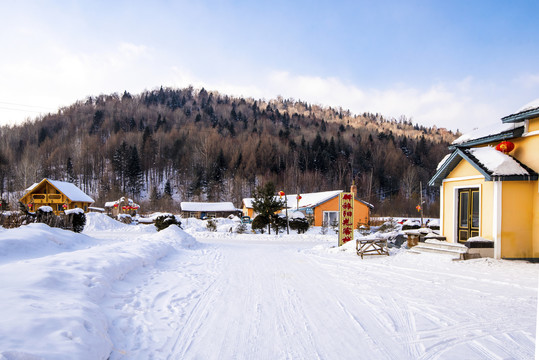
x=461 y=104
x=59 y=77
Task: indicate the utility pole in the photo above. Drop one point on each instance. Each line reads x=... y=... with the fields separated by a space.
x=421 y=200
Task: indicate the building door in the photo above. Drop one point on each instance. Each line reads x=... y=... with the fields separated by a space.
x=468 y=216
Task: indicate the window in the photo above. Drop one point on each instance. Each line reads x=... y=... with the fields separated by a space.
x=330 y=218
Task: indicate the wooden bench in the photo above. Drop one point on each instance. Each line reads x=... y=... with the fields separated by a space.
x=371 y=247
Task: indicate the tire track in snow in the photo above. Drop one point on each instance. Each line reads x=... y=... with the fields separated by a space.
x=467 y=330
x=144 y=316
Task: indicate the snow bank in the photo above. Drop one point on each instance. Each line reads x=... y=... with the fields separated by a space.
x=54 y=310
x=37 y=240
x=102 y=222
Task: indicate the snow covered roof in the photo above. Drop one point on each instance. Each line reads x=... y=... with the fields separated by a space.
x=491 y=163
x=497 y=162
x=123 y=200
x=207 y=206
x=528 y=111
x=308 y=200
x=71 y=191
x=490 y=133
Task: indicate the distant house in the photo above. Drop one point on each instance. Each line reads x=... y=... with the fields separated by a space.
x=202 y=210
x=321 y=207
x=489 y=187
x=121 y=206
x=59 y=195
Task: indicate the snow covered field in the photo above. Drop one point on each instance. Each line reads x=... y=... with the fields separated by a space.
x=128 y=292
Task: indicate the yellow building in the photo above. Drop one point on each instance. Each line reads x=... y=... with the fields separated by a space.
x=321 y=206
x=490 y=194
x=59 y=195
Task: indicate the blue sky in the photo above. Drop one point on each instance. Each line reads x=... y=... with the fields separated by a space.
x=453 y=64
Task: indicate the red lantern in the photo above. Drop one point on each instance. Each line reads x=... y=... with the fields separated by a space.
x=418 y=207
x=505 y=146
x=298 y=197
x=115 y=205
x=281 y=193
x=64 y=206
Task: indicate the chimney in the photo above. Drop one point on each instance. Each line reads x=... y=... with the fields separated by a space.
x=353 y=189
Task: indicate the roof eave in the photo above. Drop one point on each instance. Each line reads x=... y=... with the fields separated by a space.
x=532 y=177
x=510 y=134
x=525 y=115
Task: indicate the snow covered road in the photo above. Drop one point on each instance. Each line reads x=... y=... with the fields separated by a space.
x=236 y=298
x=128 y=292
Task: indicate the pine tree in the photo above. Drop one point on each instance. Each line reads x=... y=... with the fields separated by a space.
x=120 y=164
x=70 y=173
x=266 y=203
x=134 y=173
x=168 y=190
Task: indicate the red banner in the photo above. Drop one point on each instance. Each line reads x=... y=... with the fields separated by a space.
x=346 y=217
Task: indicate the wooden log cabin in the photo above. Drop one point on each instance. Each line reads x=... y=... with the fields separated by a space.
x=59 y=195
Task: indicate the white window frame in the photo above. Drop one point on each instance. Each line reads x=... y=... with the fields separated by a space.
x=328 y=214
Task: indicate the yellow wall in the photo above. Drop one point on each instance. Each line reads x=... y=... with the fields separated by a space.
x=535 y=218
x=533 y=125
x=248 y=211
x=486 y=191
x=518 y=219
x=527 y=150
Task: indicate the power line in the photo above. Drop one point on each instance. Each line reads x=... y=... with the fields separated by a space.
x=36 y=111
x=24 y=105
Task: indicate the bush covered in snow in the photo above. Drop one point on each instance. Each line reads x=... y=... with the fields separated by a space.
x=301 y=225
x=211 y=225
x=241 y=228
x=164 y=221
x=278 y=223
x=389 y=226
x=259 y=223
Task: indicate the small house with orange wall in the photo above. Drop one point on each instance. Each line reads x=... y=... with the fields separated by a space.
x=321 y=207
x=59 y=195
x=489 y=189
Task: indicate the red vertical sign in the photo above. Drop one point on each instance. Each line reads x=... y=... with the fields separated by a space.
x=346 y=217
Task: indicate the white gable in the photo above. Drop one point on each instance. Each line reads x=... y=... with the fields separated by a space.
x=207 y=206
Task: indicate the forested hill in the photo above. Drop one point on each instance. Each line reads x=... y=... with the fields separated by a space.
x=198 y=145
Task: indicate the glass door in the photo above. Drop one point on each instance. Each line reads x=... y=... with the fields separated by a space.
x=468 y=215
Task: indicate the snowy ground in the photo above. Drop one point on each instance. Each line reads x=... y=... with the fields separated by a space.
x=128 y=292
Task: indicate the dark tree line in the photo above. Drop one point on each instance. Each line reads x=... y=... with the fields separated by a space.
x=196 y=145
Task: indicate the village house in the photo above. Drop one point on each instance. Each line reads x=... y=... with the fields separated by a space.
x=489 y=186
x=203 y=210
x=321 y=207
x=121 y=206
x=59 y=195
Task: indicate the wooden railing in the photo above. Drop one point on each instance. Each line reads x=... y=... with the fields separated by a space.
x=45 y=199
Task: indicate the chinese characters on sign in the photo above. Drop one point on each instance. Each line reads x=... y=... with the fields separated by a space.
x=346 y=217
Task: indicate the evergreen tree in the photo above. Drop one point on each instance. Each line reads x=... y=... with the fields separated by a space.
x=134 y=173
x=168 y=190
x=120 y=164
x=266 y=203
x=70 y=173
